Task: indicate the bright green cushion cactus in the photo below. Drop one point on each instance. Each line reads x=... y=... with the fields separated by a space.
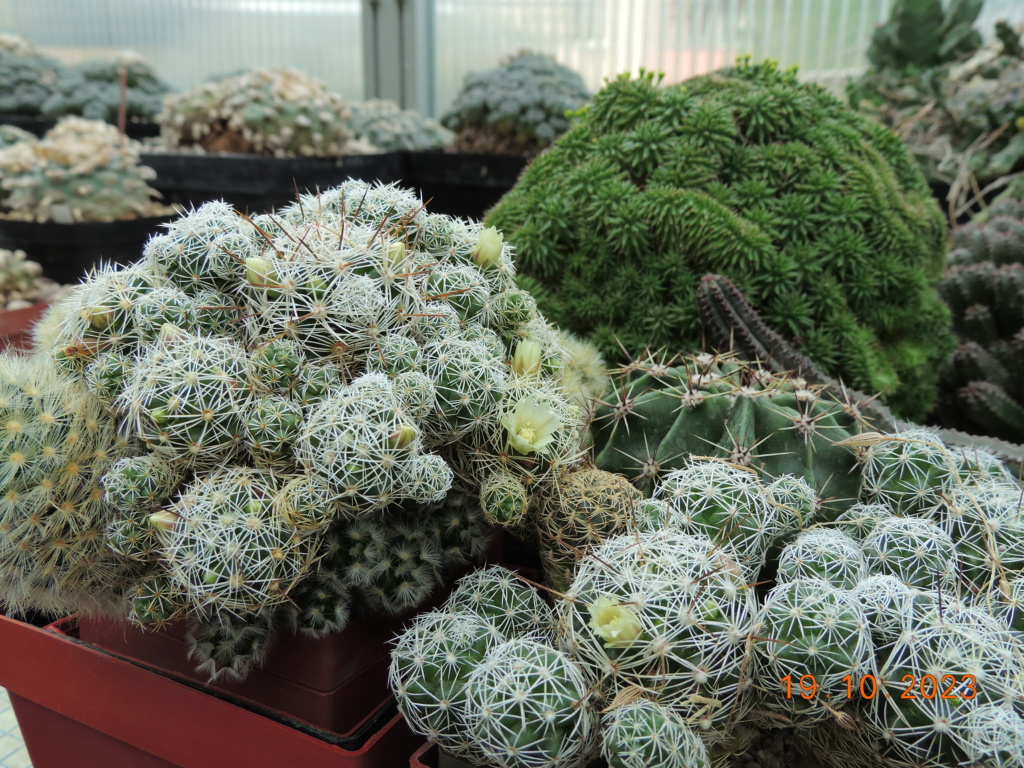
x=817 y=213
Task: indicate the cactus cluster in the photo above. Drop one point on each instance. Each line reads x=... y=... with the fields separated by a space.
x=280 y=112
x=92 y=90
x=316 y=397
x=982 y=385
x=27 y=77
x=21 y=281
x=955 y=102
x=81 y=170
x=817 y=213
x=519 y=107
x=388 y=127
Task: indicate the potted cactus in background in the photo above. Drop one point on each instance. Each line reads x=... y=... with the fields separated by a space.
x=24 y=296
x=255 y=138
x=75 y=197
x=501 y=118
x=290 y=420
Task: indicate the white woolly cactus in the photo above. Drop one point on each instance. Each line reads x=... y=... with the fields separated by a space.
x=276 y=112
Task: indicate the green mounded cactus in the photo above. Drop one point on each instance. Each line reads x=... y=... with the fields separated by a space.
x=816 y=212
x=388 y=127
x=922 y=33
x=81 y=170
x=982 y=384
x=705 y=405
x=280 y=112
x=518 y=107
x=318 y=397
x=92 y=90
x=27 y=77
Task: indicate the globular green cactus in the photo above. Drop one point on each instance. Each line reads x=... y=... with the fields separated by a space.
x=56 y=443
x=278 y=112
x=816 y=212
x=81 y=170
x=229 y=647
x=644 y=733
x=671 y=613
x=824 y=554
x=390 y=128
x=530 y=706
x=661 y=414
x=984 y=288
x=499 y=596
x=92 y=89
x=519 y=107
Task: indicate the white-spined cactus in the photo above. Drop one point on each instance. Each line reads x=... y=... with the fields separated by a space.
x=350 y=364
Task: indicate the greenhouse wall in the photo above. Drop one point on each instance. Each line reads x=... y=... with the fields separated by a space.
x=190 y=40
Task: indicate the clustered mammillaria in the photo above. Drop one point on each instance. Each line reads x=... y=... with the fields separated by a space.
x=317 y=397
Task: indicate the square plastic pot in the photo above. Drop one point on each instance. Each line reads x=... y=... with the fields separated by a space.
x=259 y=184
x=465 y=185
x=82 y=706
x=67 y=251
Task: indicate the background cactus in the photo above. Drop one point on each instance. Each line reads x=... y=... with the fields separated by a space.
x=518 y=107
x=982 y=390
x=81 y=170
x=622 y=216
x=388 y=127
x=22 y=283
x=92 y=90
x=319 y=396
x=27 y=77
x=278 y=112
x=955 y=102
x=56 y=443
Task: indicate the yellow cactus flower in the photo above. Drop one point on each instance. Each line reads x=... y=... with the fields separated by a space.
x=613 y=622
x=531 y=426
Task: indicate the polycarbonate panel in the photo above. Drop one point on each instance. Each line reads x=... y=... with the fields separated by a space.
x=188 y=41
x=682 y=38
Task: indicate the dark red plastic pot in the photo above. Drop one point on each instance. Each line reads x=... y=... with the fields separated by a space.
x=16 y=325
x=304 y=679
x=80 y=705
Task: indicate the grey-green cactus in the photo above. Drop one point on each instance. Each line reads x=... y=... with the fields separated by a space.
x=390 y=128
x=519 y=107
x=81 y=170
x=92 y=89
x=278 y=112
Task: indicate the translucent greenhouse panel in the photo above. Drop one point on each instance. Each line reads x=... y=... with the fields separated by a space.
x=682 y=38
x=188 y=41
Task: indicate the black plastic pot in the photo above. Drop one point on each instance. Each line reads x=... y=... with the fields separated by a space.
x=40 y=125
x=462 y=184
x=67 y=251
x=260 y=184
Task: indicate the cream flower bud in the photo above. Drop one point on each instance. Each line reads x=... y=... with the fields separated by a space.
x=527 y=358
x=531 y=426
x=260 y=273
x=488 y=249
x=402 y=437
x=100 y=317
x=614 y=623
x=164 y=521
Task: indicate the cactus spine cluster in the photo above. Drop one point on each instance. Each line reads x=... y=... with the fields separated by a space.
x=81 y=170
x=279 y=112
x=817 y=213
x=982 y=390
x=317 y=397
